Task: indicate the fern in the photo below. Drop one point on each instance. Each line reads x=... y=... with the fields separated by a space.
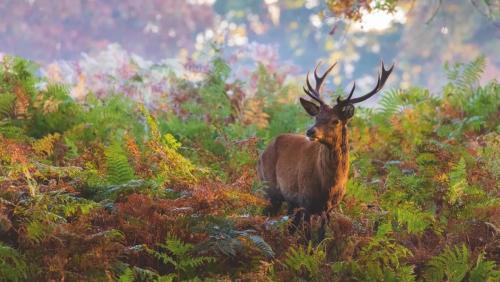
x=406 y=187
x=178 y=254
x=53 y=110
x=12 y=130
x=148 y=275
x=306 y=261
x=37 y=230
x=464 y=94
x=360 y=192
x=381 y=255
x=70 y=205
x=118 y=168
x=390 y=102
x=452 y=264
x=223 y=239
x=12 y=264
x=10 y=127
x=490 y=154
x=484 y=271
x=134 y=273
x=415 y=221
x=458 y=182
x=112 y=192
x=59 y=171
x=472 y=71
x=41 y=214
x=481 y=109
x=103 y=120
x=380 y=260
x=7 y=101
x=130 y=275
x=46 y=144
x=173 y=166
x=465 y=75
x=259 y=243
x=127 y=276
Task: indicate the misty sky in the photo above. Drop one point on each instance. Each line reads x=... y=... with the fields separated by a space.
x=419 y=38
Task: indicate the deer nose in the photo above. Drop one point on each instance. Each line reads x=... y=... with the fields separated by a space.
x=310 y=132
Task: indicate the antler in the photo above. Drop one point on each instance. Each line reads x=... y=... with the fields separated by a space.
x=314 y=92
x=380 y=83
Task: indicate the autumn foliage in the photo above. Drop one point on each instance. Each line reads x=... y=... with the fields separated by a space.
x=105 y=188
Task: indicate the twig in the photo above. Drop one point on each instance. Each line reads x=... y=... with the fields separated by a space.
x=435 y=12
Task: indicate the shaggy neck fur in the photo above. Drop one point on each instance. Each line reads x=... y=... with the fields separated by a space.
x=334 y=162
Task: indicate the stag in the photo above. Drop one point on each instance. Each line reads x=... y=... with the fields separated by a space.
x=310 y=172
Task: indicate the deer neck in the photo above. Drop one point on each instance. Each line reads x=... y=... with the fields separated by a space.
x=336 y=151
x=334 y=163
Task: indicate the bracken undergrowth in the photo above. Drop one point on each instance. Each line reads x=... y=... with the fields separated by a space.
x=104 y=189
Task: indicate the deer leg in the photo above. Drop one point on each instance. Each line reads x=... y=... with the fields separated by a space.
x=324 y=220
x=301 y=220
x=291 y=208
x=297 y=215
x=307 y=226
x=276 y=200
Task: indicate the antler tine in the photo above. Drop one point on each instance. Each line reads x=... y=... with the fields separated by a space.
x=381 y=79
x=314 y=92
x=340 y=101
x=319 y=80
x=312 y=96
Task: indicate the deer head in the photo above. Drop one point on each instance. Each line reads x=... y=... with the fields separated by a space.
x=329 y=121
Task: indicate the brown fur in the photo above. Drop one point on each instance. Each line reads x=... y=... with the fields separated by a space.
x=311 y=173
x=305 y=173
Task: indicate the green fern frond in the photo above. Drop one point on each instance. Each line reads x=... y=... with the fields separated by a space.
x=403 y=274
x=115 y=191
x=66 y=205
x=7 y=101
x=472 y=71
x=262 y=245
x=390 y=102
x=194 y=262
x=12 y=265
x=149 y=275
x=484 y=270
x=37 y=230
x=415 y=221
x=383 y=252
x=380 y=260
x=223 y=239
x=360 y=192
x=134 y=273
x=464 y=76
x=41 y=214
x=305 y=261
x=118 y=168
x=452 y=264
x=126 y=276
x=9 y=129
x=458 y=182
x=58 y=91
x=176 y=246
x=179 y=254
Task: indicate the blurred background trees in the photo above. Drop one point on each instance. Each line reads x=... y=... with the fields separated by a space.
x=415 y=34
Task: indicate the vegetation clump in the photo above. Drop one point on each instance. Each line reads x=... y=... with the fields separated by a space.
x=105 y=189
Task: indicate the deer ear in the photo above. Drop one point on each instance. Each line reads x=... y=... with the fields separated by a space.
x=311 y=108
x=347 y=111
